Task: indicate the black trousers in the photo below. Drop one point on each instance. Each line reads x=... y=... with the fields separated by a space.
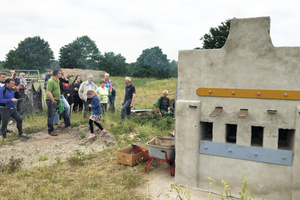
x=92 y=127
x=86 y=108
x=77 y=102
x=6 y=113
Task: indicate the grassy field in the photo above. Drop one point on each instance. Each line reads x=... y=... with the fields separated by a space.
x=96 y=175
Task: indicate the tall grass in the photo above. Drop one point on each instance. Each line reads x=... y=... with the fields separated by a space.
x=100 y=177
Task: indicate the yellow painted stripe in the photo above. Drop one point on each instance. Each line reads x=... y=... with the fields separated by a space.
x=249 y=93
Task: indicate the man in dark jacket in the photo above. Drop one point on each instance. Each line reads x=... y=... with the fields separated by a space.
x=9 y=96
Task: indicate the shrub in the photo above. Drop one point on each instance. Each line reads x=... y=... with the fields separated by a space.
x=77 y=159
x=13 y=165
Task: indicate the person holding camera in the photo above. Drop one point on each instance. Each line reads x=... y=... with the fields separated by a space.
x=14 y=77
x=9 y=96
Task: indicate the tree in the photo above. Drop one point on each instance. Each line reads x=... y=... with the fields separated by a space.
x=173 y=69
x=82 y=53
x=114 y=64
x=216 y=37
x=55 y=64
x=152 y=63
x=32 y=53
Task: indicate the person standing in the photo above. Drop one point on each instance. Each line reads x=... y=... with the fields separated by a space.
x=102 y=92
x=2 y=84
x=84 y=87
x=129 y=98
x=69 y=90
x=52 y=99
x=77 y=101
x=9 y=96
x=96 y=116
x=14 y=77
x=112 y=98
x=108 y=85
x=2 y=79
x=107 y=82
x=22 y=87
x=47 y=77
x=64 y=84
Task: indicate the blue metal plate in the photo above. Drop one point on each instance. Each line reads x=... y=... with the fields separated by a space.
x=258 y=154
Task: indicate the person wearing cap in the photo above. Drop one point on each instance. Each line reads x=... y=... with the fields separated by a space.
x=9 y=96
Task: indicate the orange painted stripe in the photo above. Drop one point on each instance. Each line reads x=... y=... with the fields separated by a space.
x=249 y=93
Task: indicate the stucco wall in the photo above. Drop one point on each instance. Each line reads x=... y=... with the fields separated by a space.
x=247 y=61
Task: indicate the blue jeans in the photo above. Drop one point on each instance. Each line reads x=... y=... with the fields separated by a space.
x=66 y=104
x=126 y=109
x=111 y=103
x=55 y=119
x=51 y=113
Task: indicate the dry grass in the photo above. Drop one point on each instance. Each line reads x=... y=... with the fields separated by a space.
x=100 y=177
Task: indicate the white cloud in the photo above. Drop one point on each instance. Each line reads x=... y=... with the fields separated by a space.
x=129 y=27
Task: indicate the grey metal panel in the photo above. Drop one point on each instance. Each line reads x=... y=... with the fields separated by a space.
x=258 y=154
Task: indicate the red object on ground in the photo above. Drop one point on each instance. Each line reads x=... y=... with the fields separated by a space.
x=135 y=151
x=149 y=162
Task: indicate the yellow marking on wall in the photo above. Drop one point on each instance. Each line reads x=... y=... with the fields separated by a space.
x=249 y=93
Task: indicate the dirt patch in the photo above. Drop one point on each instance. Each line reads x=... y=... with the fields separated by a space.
x=158 y=180
x=157 y=177
x=63 y=146
x=83 y=72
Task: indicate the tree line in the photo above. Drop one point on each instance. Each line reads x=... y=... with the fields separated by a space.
x=83 y=53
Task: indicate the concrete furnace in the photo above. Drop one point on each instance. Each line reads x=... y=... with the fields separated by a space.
x=238 y=110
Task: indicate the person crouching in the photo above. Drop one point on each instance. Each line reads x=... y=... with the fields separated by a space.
x=96 y=115
x=8 y=99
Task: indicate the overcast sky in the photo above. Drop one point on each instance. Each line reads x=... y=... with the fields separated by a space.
x=129 y=27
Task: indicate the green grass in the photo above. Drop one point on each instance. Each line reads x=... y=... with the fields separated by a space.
x=93 y=175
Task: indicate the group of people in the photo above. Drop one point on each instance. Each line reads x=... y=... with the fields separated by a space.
x=12 y=91
x=82 y=94
x=61 y=92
